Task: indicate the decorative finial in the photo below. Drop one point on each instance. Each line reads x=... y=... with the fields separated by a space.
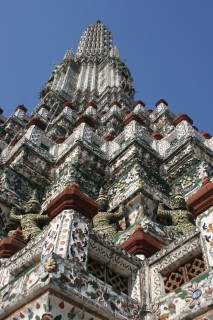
x=69 y=55
x=34 y=198
x=101 y=196
x=178 y=200
x=114 y=53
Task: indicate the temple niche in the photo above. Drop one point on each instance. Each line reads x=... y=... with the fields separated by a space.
x=106 y=206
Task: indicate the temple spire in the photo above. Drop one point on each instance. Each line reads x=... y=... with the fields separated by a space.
x=95 y=43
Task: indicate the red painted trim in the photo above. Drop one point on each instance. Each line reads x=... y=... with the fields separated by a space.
x=161 y=101
x=132 y=116
x=202 y=200
x=37 y=122
x=85 y=119
x=142 y=243
x=21 y=107
x=156 y=135
x=139 y=102
x=72 y=198
x=180 y=117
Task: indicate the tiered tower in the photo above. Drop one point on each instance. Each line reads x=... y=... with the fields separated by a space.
x=106 y=207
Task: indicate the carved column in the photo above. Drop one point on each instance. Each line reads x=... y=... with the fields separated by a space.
x=68 y=236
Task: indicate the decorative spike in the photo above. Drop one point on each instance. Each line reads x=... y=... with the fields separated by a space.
x=101 y=196
x=69 y=55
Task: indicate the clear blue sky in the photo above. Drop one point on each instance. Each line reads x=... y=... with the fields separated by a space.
x=167 y=44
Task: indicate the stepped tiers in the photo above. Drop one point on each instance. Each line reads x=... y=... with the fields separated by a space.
x=106 y=204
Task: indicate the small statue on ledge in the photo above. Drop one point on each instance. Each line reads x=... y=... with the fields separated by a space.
x=30 y=220
x=103 y=221
x=179 y=216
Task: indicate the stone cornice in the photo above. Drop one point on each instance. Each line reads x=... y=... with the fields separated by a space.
x=12 y=244
x=37 y=122
x=161 y=101
x=202 y=200
x=85 y=119
x=133 y=116
x=72 y=198
x=21 y=107
x=142 y=243
x=182 y=117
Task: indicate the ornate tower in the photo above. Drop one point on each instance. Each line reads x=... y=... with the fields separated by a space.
x=106 y=207
x=96 y=74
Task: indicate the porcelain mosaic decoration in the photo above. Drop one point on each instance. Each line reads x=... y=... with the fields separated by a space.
x=105 y=205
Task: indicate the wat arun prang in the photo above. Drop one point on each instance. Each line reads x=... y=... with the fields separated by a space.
x=106 y=206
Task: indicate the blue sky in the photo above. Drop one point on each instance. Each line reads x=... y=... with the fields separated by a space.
x=167 y=44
